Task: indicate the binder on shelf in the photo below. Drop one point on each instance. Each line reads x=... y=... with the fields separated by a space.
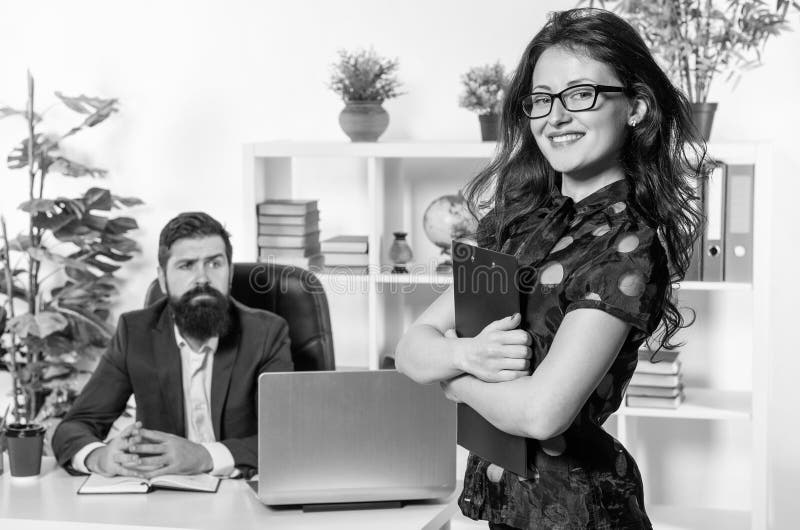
x=739 y=223
x=694 y=273
x=713 y=239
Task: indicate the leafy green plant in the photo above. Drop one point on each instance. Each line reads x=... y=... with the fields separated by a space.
x=57 y=279
x=696 y=41
x=363 y=75
x=484 y=87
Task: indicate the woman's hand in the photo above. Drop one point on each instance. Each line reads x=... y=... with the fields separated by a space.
x=500 y=352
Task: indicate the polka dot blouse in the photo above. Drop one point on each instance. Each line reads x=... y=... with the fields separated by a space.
x=597 y=253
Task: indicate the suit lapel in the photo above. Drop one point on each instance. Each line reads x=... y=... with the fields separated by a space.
x=224 y=359
x=167 y=360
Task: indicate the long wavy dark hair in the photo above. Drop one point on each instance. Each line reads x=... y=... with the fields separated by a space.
x=664 y=157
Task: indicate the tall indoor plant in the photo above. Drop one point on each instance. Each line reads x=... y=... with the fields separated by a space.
x=699 y=41
x=364 y=80
x=57 y=277
x=484 y=87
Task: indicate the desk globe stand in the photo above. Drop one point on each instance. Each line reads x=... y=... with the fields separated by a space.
x=446 y=265
x=448 y=218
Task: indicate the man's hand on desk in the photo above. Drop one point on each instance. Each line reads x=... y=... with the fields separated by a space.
x=160 y=453
x=114 y=459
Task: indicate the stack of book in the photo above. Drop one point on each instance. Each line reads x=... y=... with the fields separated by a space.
x=346 y=254
x=657 y=381
x=288 y=232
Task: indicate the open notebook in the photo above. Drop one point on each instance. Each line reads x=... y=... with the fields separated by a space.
x=100 y=484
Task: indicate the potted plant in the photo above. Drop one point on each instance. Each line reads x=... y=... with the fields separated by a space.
x=698 y=41
x=57 y=278
x=364 y=80
x=484 y=87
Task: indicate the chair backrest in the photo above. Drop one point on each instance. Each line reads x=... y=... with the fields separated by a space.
x=292 y=293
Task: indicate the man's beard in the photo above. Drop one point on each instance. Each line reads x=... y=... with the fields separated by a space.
x=203 y=318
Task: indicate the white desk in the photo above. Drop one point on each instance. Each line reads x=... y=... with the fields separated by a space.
x=51 y=497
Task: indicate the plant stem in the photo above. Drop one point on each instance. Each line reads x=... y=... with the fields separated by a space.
x=33 y=265
x=10 y=300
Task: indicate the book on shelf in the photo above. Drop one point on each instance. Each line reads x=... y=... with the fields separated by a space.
x=287 y=230
x=345 y=269
x=96 y=484
x=304 y=241
x=654 y=402
x=654 y=391
x=285 y=252
x=308 y=219
x=308 y=263
x=346 y=258
x=662 y=380
x=357 y=244
x=286 y=207
x=661 y=362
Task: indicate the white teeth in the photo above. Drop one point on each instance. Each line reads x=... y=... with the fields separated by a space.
x=566 y=138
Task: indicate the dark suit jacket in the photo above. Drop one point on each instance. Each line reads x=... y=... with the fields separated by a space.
x=144 y=360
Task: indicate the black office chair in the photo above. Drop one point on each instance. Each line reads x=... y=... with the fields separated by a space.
x=292 y=293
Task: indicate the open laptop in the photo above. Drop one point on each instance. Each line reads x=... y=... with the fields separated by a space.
x=353 y=437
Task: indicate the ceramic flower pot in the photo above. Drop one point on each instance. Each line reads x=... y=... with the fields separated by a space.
x=25 y=444
x=490 y=125
x=703 y=118
x=364 y=121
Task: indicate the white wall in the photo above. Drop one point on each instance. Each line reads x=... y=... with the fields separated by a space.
x=197 y=79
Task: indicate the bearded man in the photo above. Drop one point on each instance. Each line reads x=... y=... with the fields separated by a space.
x=191 y=360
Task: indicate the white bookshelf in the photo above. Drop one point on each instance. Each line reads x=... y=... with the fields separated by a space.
x=378 y=306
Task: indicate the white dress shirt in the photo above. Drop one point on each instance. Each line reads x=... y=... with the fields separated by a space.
x=196 y=370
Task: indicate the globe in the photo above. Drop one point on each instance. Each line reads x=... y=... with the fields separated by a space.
x=447 y=218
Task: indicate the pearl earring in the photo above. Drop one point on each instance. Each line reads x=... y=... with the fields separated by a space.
x=633 y=123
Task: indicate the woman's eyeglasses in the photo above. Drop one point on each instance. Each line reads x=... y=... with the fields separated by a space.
x=575 y=99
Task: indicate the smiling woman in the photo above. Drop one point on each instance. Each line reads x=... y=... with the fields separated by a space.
x=596 y=162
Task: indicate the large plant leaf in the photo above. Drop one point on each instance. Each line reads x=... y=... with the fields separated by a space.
x=5 y=112
x=44 y=150
x=120 y=225
x=39 y=325
x=42 y=254
x=119 y=243
x=98 y=199
x=20 y=243
x=87 y=318
x=53 y=222
x=94 y=222
x=76 y=232
x=84 y=104
x=102 y=265
x=39 y=206
x=98 y=110
x=19 y=292
x=81 y=276
x=70 y=168
x=127 y=201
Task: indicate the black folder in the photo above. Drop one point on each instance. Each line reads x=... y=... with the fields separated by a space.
x=485 y=289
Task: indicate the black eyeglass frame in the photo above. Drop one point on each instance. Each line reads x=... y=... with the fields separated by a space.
x=597 y=90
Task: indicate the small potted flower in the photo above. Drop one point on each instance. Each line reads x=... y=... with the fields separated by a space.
x=484 y=87
x=701 y=41
x=364 y=80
